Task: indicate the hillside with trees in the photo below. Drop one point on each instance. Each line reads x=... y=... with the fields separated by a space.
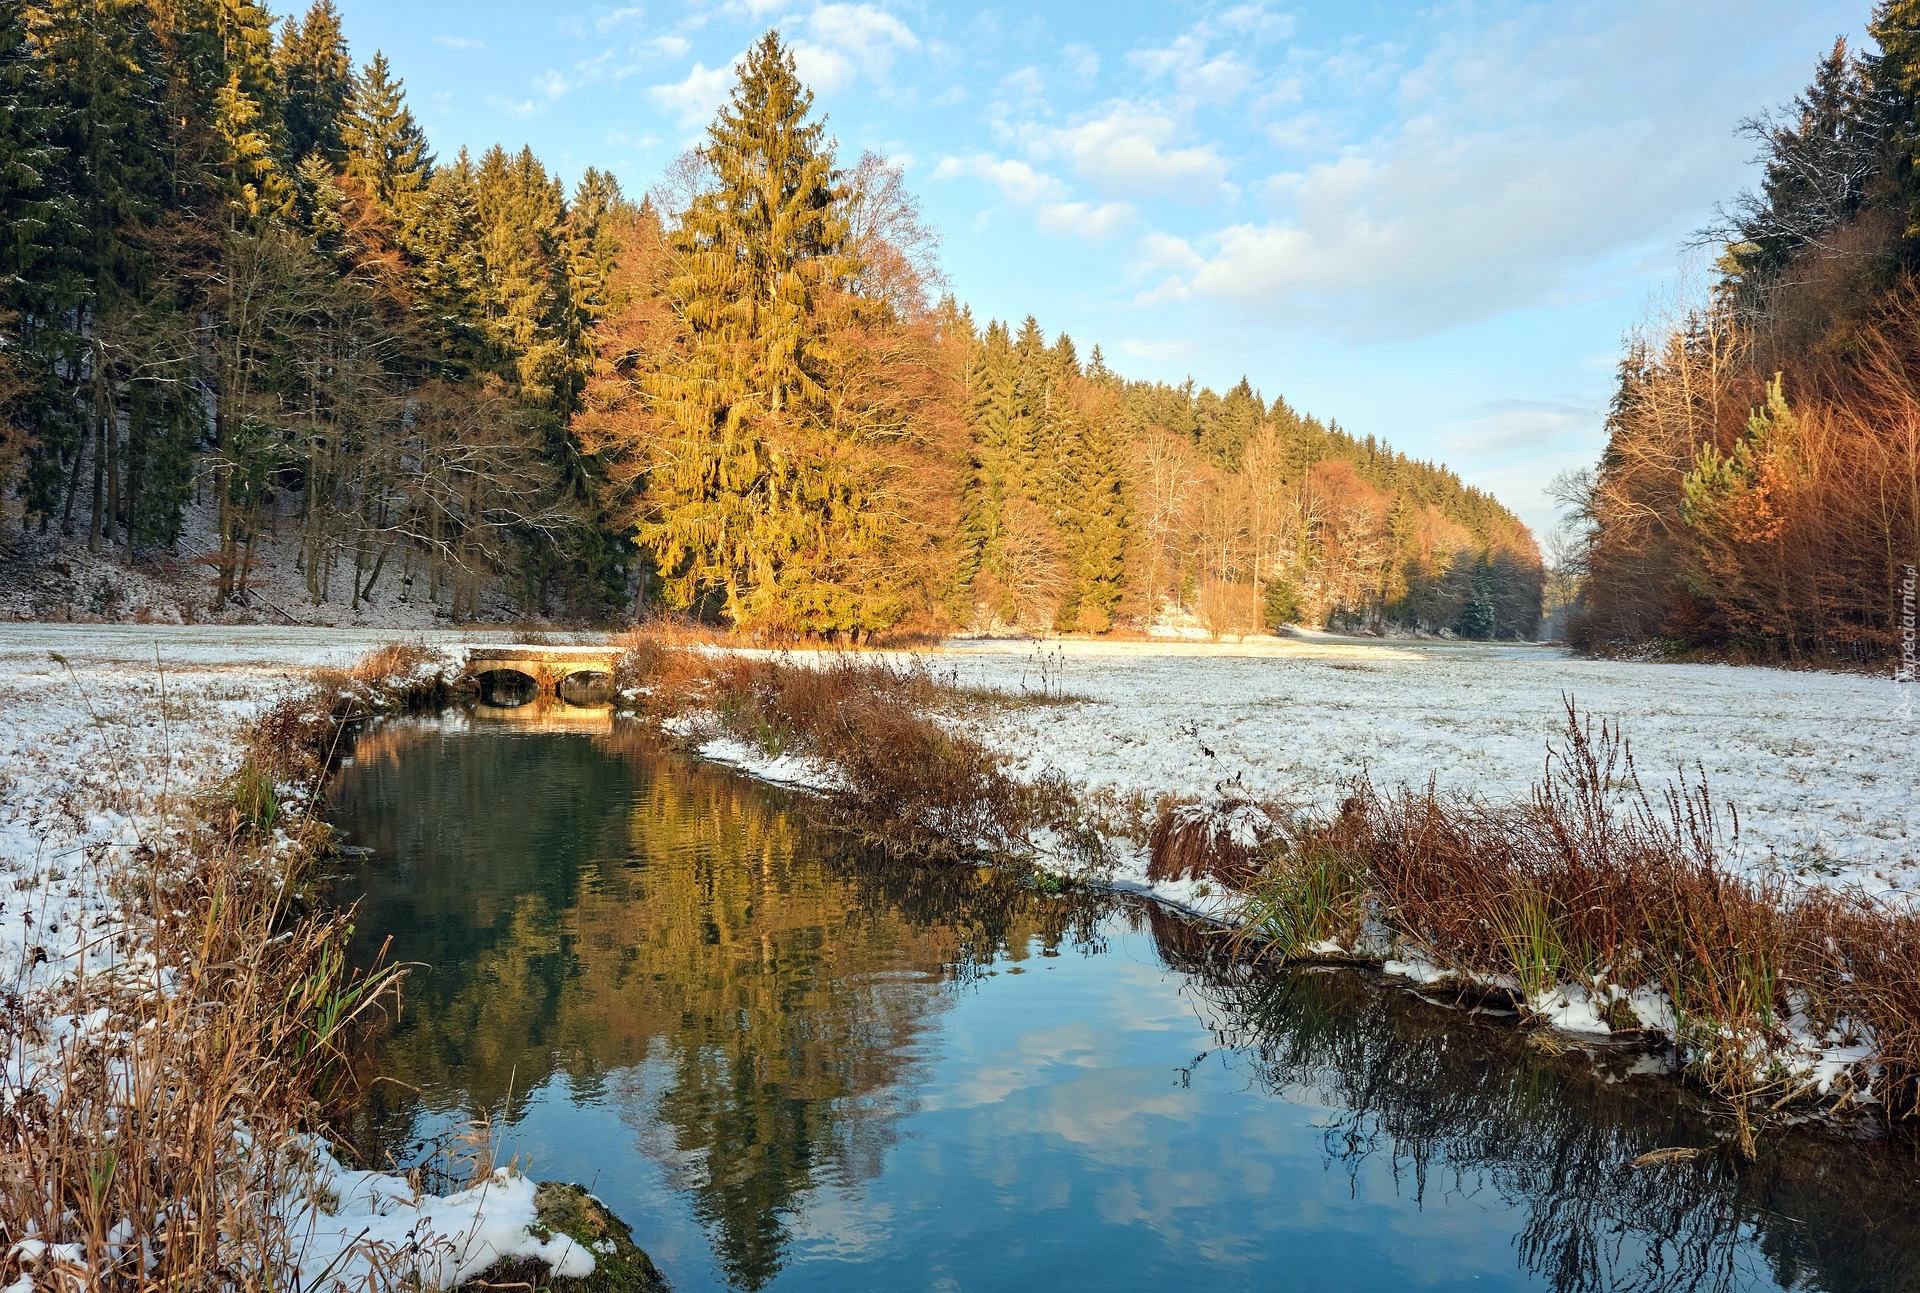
x=1759 y=496
x=239 y=285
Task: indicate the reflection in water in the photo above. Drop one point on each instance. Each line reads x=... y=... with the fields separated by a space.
x=675 y=915
x=832 y=1062
x=1456 y=1101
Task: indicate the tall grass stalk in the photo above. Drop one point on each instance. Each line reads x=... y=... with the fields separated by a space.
x=1590 y=881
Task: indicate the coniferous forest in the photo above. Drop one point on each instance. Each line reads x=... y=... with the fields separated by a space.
x=240 y=283
x=1759 y=495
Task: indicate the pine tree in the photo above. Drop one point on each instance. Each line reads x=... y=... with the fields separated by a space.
x=444 y=245
x=386 y=149
x=316 y=74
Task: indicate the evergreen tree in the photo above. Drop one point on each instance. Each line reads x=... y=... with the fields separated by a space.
x=386 y=149
x=316 y=76
x=444 y=244
x=762 y=500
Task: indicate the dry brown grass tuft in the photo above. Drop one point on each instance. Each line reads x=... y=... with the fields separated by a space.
x=1225 y=840
x=1595 y=883
x=905 y=781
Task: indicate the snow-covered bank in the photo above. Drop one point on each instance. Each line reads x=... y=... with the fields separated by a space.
x=109 y=735
x=1591 y=907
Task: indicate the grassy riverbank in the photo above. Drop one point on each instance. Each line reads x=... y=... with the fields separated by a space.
x=1596 y=902
x=180 y=1017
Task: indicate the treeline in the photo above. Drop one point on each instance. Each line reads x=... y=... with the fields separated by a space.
x=237 y=274
x=1760 y=491
x=234 y=271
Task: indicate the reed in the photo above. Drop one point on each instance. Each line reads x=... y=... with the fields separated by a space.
x=1590 y=882
x=901 y=778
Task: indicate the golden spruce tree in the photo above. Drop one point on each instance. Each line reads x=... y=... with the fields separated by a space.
x=767 y=494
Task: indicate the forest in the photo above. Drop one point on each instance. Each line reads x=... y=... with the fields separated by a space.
x=1759 y=494
x=238 y=283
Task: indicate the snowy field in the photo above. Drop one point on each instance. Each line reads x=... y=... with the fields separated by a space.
x=96 y=750
x=103 y=724
x=1823 y=768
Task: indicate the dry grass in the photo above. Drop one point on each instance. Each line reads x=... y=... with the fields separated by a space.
x=905 y=781
x=1594 y=882
x=1591 y=882
x=151 y=1093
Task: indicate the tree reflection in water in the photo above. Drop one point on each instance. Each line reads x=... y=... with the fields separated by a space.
x=1461 y=1103
x=752 y=999
x=622 y=928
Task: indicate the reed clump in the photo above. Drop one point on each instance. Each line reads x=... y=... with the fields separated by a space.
x=154 y=1090
x=161 y=1078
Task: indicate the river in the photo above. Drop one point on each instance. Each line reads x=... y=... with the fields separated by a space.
x=789 y=1064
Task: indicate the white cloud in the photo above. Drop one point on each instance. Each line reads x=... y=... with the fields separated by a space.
x=848 y=41
x=1084 y=220
x=608 y=21
x=1187 y=63
x=1020 y=182
x=1256 y=20
x=1506 y=182
x=695 y=97
x=1126 y=151
x=552 y=84
x=822 y=68
x=1511 y=424
x=1165 y=251
x=523 y=108
x=459 y=42
x=668 y=46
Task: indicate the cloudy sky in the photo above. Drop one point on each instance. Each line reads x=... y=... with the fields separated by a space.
x=1430 y=222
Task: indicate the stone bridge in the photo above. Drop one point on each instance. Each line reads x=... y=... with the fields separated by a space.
x=547 y=667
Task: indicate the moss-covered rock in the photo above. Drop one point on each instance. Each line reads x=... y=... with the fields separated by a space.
x=619 y=1264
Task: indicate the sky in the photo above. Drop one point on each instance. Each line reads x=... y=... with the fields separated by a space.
x=1432 y=223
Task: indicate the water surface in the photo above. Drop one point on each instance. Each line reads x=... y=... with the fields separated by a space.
x=792 y=1066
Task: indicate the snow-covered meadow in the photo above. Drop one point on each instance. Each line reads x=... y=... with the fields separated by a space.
x=106 y=732
x=1824 y=769
x=105 y=726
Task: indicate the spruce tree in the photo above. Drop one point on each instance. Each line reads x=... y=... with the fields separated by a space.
x=761 y=496
x=444 y=245
x=386 y=149
x=316 y=76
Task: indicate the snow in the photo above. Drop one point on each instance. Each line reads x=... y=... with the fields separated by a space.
x=1824 y=769
x=444 y=1241
x=106 y=728
x=105 y=723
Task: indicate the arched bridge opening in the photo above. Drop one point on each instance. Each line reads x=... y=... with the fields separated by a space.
x=506 y=688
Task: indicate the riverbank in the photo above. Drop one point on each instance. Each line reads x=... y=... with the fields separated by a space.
x=155 y=839
x=1598 y=900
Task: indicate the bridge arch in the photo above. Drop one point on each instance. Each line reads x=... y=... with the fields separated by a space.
x=585 y=686
x=506 y=687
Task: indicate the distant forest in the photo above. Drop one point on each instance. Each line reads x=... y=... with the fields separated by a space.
x=1759 y=495
x=236 y=276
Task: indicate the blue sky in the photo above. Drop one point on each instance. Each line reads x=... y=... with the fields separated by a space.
x=1432 y=223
